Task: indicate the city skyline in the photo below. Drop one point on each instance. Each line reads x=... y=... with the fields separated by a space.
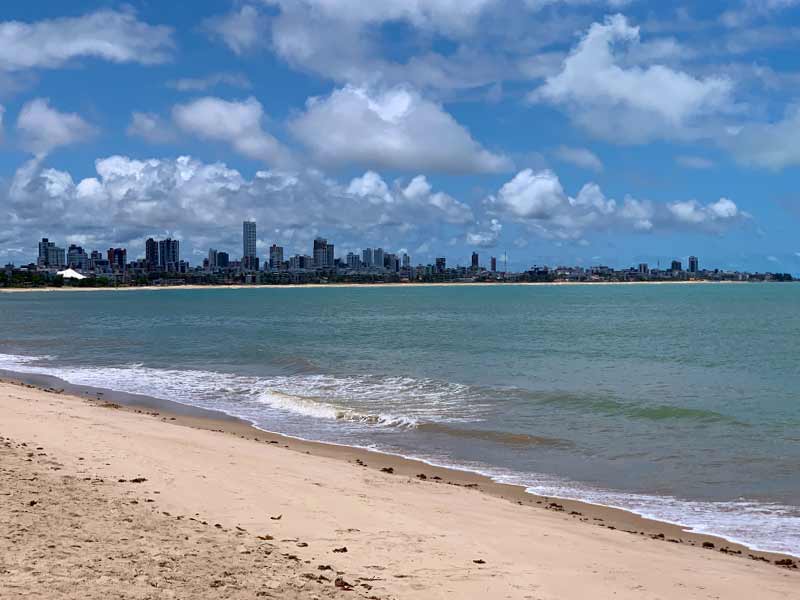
x=552 y=130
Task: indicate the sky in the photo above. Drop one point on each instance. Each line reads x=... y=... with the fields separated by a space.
x=560 y=132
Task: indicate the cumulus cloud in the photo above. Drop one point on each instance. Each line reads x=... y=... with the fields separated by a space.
x=241 y=30
x=150 y=127
x=580 y=157
x=538 y=200
x=116 y=36
x=768 y=145
x=199 y=84
x=43 y=128
x=237 y=123
x=395 y=129
x=632 y=104
x=486 y=237
x=204 y=204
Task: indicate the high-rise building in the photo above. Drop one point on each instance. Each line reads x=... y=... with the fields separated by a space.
x=223 y=260
x=51 y=255
x=330 y=260
x=493 y=263
x=77 y=258
x=676 y=267
x=441 y=264
x=353 y=262
x=117 y=258
x=694 y=264
x=169 y=255
x=275 y=257
x=406 y=261
x=248 y=240
x=212 y=259
x=151 y=254
x=377 y=258
x=643 y=269
x=321 y=254
x=366 y=257
x=475 y=261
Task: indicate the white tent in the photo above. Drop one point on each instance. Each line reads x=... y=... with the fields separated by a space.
x=71 y=274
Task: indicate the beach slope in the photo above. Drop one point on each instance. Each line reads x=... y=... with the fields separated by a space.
x=96 y=501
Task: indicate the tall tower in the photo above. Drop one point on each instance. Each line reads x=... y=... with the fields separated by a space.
x=694 y=264
x=248 y=240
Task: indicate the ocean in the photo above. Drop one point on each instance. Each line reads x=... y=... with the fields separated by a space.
x=677 y=402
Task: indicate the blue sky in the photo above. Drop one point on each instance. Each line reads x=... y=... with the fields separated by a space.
x=558 y=131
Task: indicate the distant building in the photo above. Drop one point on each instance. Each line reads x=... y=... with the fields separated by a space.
x=377 y=257
x=320 y=254
x=51 y=255
x=406 y=261
x=169 y=255
x=367 y=258
x=493 y=264
x=475 y=261
x=77 y=258
x=151 y=254
x=212 y=261
x=353 y=262
x=441 y=264
x=223 y=260
x=677 y=266
x=275 y=257
x=117 y=258
x=694 y=265
x=643 y=269
x=248 y=241
x=330 y=260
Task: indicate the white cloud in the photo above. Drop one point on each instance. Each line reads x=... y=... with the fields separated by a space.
x=580 y=157
x=694 y=162
x=486 y=237
x=538 y=200
x=241 y=30
x=43 y=128
x=767 y=145
x=150 y=127
x=116 y=36
x=189 y=84
x=130 y=199
x=630 y=104
x=395 y=129
x=237 y=123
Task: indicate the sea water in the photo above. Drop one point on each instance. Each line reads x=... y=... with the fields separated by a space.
x=678 y=402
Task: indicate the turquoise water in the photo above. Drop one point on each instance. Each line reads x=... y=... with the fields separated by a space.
x=679 y=402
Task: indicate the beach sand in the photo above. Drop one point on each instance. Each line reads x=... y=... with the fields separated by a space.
x=99 y=500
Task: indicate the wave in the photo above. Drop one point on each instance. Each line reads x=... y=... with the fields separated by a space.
x=324 y=410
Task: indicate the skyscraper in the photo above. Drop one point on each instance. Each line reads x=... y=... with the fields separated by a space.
x=117 y=258
x=329 y=256
x=212 y=259
x=493 y=263
x=441 y=264
x=353 y=261
x=677 y=267
x=321 y=253
x=406 y=261
x=77 y=258
x=248 y=240
x=151 y=254
x=366 y=257
x=275 y=257
x=50 y=255
x=168 y=254
x=475 y=261
x=694 y=264
x=377 y=257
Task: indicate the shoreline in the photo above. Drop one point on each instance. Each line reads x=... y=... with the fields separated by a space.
x=587 y=513
x=371 y=285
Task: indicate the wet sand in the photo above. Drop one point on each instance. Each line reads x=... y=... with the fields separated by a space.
x=411 y=530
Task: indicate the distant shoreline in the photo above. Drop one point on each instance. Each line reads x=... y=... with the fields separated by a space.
x=369 y=285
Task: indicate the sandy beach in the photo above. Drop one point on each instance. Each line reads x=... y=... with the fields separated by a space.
x=359 y=285
x=100 y=500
